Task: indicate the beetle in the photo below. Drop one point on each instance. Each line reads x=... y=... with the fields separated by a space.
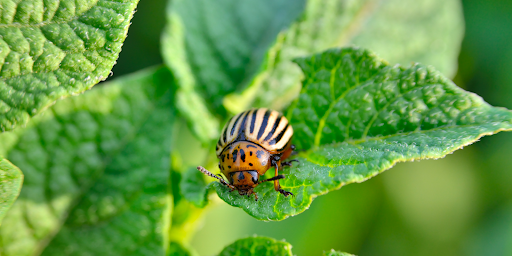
x=251 y=143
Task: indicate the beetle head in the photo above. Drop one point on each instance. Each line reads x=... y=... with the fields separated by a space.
x=244 y=181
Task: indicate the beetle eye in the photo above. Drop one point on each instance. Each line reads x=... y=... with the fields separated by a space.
x=254 y=176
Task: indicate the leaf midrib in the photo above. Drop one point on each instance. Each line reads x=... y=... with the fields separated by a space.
x=402 y=159
x=368 y=81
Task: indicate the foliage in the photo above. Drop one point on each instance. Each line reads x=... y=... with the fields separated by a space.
x=335 y=253
x=96 y=172
x=10 y=185
x=113 y=171
x=399 y=31
x=264 y=246
x=357 y=116
x=257 y=246
x=52 y=50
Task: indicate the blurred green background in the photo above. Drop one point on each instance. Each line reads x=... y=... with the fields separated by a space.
x=459 y=205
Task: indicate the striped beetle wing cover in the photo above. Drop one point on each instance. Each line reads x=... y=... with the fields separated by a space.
x=265 y=127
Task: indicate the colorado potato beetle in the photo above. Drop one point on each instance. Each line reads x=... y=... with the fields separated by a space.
x=251 y=143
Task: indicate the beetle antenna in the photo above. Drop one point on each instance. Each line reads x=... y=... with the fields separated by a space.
x=208 y=173
x=278 y=177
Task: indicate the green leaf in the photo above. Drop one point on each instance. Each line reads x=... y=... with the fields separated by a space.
x=11 y=179
x=193 y=187
x=204 y=125
x=358 y=116
x=425 y=31
x=216 y=47
x=96 y=172
x=177 y=249
x=332 y=252
x=187 y=154
x=261 y=246
x=53 y=49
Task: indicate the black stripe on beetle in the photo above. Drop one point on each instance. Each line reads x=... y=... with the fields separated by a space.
x=224 y=135
x=234 y=125
x=285 y=145
x=264 y=124
x=242 y=125
x=271 y=133
x=253 y=121
x=279 y=136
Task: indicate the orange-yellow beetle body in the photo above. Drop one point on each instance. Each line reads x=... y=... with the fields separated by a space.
x=251 y=143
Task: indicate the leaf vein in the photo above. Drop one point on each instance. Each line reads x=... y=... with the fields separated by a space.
x=321 y=125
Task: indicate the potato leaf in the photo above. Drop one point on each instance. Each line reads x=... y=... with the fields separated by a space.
x=177 y=249
x=53 y=49
x=265 y=246
x=193 y=187
x=11 y=179
x=332 y=252
x=261 y=246
x=425 y=31
x=216 y=47
x=357 y=116
x=96 y=172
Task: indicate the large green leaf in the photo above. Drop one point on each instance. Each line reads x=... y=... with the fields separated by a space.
x=357 y=116
x=176 y=249
x=261 y=246
x=53 y=49
x=10 y=185
x=264 y=246
x=332 y=252
x=188 y=152
x=193 y=187
x=400 y=31
x=96 y=172
x=216 y=47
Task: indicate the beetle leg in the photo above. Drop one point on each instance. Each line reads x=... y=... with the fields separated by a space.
x=278 y=177
x=294 y=151
x=289 y=163
x=221 y=180
x=285 y=193
x=277 y=187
